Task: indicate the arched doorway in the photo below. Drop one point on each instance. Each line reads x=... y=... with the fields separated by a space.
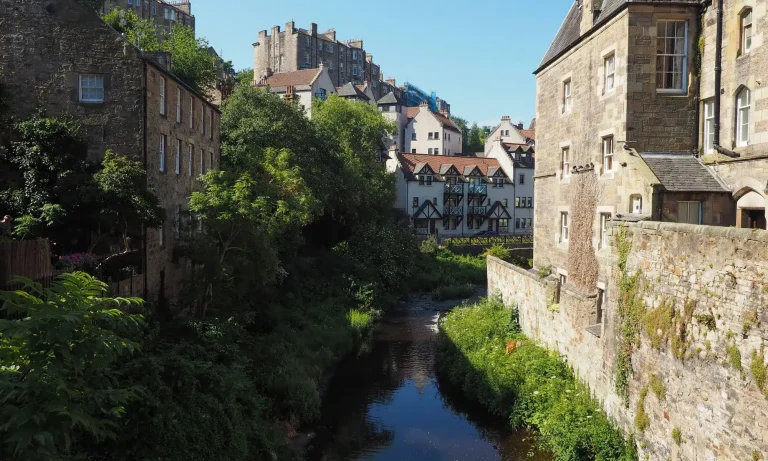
x=750 y=208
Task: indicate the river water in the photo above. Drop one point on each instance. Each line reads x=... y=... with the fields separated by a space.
x=387 y=404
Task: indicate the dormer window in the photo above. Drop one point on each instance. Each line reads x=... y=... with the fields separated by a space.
x=425 y=180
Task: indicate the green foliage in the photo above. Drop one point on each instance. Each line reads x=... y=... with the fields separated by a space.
x=751 y=319
x=62 y=350
x=429 y=246
x=734 y=356
x=244 y=77
x=529 y=386
x=499 y=251
x=631 y=309
x=707 y=320
x=445 y=269
x=677 y=436
x=642 y=420
x=658 y=388
x=453 y=292
x=759 y=369
x=756 y=456
x=544 y=271
x=191 y=59
x=139 y=31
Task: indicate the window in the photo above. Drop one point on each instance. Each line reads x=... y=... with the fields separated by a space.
x=321 y=94
x=210 y=159
x=167 y=13
x=329 y=48
x=202 y=161
x=742 y=117
x=415 y=202
x=529 y=202
x=709 y=126
x=746 y=31
x=191 y=113
x=498 y=183
x=671 y=55
x=163 y=142
x=178 y=156
x=178 y=105
x=191 y=160
x=210 y=124
x=503 y=224
x=518 y=223
x=636 y=204
x=154 y=10
x=162 y=96
x=610 y=72
x=330 y=65
x=320 y=46
x=529 y=223
x=425 y=180
x=437 y=135
x=161 y=233
x=506 y=202
x=413 y=136
x=354 y=54
x=567 y=95
x=91 y=88
x=430 y=135
x=604 y=217
x=306 y=59
x=602 y=300
x=307 y=41
x=430 y=151
x=413 y=151
x=202 y=119
x=563 y=227
x=355 y=70
x=517 y=202
x=565 y=163
x=522 y=179
x=689 y=212
x=607 y=154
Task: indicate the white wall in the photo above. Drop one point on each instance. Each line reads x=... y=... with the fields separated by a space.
x=514 y=136
x=423 y=124
x=400 y=119
x=523 y=190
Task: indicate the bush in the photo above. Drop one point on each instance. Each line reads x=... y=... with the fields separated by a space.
x=481 y=349
x=498 y=251
x=447 y=268
x=429 y=246
x=453 y=292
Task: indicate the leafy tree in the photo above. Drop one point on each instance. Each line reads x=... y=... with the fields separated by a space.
x=190 y=59
x=125 y=196
x=140 y=32
x=462 y=124
x=244 y=77
x=476 y=141
x=61 y=349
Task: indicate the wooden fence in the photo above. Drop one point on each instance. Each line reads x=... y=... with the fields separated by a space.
x=26 y=258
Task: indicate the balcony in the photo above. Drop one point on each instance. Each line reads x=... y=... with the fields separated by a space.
x=475 y=189
x=453 y=189
x=421 y=231
x=477 y=210
x=453 y=210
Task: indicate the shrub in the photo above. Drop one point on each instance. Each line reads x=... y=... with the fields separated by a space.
x=657 y=386
x=429 y=246
x=62 y=350
x=759 y=370
x=529 y=386
x=498 y=251
x=734 y=356
x=642 y=420
x=677 y=436
x=453 y=292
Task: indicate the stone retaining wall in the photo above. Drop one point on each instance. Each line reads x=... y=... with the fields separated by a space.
x=711 y=395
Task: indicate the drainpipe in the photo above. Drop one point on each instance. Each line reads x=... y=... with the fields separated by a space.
x=718 y=72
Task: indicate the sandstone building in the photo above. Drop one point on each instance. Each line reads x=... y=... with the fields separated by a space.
x=125 y=100
x=163 y=13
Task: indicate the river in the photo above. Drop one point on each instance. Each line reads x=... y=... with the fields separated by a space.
x=387 y=403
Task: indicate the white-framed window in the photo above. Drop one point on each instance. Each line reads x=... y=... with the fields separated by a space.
x=671 y=55
x=567 y=95
x=167 y=14
x=178 y=157
x=178 y=105
x=163 y=143
x=429 y=151
x=604 y=218
x=162 y=96
x=191 y=160
x=689 y=212
x=425 y=180
x=636 y=203
x=91 y=88
x=307 y=41
x=709 y=126
x=154 y=10
x=607 y=154
x=191 y=113
x=564 y=227
x=529 y=202
x=746 y=31
x=743 y=102
x=610 y=72
x=565 y=164
x=355 y=70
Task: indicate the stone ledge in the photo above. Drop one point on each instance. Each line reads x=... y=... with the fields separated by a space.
x=517 y=269
x=707 y=231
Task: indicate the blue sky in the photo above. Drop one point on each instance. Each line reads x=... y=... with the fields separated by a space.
x=478 y=55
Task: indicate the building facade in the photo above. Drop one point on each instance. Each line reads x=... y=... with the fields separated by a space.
x=295 y=49
x=431 y=132
x=510 y=133
x=394 y=110
x=454 y=196
x=164 y=13
x=126 y=101
x=520 y=161
x=301 y=87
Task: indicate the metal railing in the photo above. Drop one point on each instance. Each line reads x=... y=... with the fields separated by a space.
x=421 y=231
x=453 y=210
x=454 y=189
x=478 y=189
x=489 y=240
x=477 y=210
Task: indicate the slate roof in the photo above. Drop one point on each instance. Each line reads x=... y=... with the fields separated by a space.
x=390 y=98
x=351 y=91
x=412 y=163
x=295 y=78
x=682 y=172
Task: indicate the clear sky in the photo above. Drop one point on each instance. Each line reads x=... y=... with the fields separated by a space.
x=478 y=55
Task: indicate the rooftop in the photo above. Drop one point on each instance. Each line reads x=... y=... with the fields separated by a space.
x=295 y=78
x=682 y=172
x=436 y=163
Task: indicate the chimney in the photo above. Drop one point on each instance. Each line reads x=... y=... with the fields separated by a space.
x=505 y=118
x=275 y=31
x=445 y=112
x=369 y=57
x=520 y=126
x=290 y=27
x=331 y=34
x=161 y=58
x=424 y=104
x=391 y=81
x=313 y=29
x=263 y=36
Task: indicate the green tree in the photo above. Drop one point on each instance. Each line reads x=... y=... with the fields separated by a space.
x=61 y=349
x=475 y=143
x=244 y=77
x=463 y=125
x=191 y=60
x=140 y=32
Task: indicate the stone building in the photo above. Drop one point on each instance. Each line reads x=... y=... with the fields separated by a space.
x=126 y=101
x=431 y=132
x=394 y=110
x=163 y=13
x=301 y=86
x=297 y=49
x=452 y=196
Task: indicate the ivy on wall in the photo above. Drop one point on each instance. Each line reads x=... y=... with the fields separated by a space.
x=582 y=262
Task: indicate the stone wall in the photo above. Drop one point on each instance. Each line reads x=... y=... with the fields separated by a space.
x=715 y=279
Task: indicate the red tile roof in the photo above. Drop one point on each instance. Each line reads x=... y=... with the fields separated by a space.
x=295 y=78
x=531 y=134
x=409 y=162
x=413 y=112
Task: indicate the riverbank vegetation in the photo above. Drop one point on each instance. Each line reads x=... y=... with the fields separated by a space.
x=482 y=350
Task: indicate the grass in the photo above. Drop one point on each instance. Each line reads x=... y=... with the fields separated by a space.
x=453 y=292
x=677 y=436
x=657 y=386
x=642 y=420
x=527 y=385
x=445 y=269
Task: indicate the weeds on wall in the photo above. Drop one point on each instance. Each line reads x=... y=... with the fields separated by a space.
x=631 y=310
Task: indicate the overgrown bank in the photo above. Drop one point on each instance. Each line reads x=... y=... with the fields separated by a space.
x=482 y=350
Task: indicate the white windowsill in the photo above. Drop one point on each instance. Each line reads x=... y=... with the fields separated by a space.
x=607 y=176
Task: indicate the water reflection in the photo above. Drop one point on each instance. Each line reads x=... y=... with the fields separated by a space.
x=388 y=405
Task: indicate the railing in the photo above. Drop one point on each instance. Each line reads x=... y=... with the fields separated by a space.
x=489 y=240
x=477 y=210
x=454 y=189
x=421 y=231
x=451 y=210
x=476 y=189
